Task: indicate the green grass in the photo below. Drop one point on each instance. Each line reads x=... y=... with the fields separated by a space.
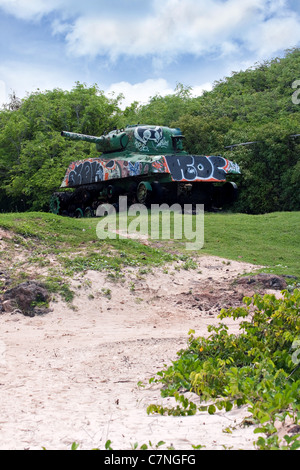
x=76 y=245
x=55 y=231
x=271 y=240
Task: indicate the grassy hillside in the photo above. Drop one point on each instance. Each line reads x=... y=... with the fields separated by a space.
x=271 y=240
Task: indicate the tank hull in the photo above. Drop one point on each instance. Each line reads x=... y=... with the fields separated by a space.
x=183 y=168
x=157 y=179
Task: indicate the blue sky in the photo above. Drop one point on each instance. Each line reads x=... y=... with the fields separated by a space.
x=138 y=48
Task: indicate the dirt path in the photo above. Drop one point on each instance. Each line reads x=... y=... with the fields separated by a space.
x=72 y=375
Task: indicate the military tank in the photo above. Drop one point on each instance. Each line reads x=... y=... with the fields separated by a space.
x=148 y=164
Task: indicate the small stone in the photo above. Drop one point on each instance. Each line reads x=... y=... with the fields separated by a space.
x=9 y=306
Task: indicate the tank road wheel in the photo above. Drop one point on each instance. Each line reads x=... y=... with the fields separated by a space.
x=88 y=212
x=55 y=204
x=110 y=192
x=78 y=213
x=144 y=192
x=59 y=203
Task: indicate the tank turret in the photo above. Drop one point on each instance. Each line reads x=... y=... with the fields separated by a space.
x=147 y=140
x=148 y=164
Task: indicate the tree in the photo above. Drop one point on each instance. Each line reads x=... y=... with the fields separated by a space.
x=33 y=155
x=14 y=104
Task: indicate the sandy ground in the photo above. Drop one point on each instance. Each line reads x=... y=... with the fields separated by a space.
x=72 y=375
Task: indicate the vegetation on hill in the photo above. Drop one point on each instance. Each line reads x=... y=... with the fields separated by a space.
x=250 y=106
x=259 y=368
x=269 y=240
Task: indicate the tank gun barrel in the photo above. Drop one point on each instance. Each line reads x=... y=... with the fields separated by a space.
x=84 y=137
x=112 y=142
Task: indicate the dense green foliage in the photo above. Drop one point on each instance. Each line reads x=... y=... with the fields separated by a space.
x=250 y=106
x=258 y=367
x=34 y=156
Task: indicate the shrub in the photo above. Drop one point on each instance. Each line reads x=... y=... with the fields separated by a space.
x=258 y=367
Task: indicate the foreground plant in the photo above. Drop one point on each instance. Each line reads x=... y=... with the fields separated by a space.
x=258 y=367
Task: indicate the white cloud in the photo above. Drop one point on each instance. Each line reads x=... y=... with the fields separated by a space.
x=228 y=32
x=199 y=89
x=143 y=91
x=273 y=35
x=165 y=29
x=27 y=78
x=29 y=9
x=34 y=78
x=140 y=92
x=175 y=27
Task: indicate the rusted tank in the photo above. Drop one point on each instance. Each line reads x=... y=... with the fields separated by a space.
x=148 y=164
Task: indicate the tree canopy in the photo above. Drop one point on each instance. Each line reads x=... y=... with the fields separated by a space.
x=258 y=105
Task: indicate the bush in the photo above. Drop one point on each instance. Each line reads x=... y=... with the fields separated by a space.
x=258 y=367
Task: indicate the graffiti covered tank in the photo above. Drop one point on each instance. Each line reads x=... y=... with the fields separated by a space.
x=147 y=164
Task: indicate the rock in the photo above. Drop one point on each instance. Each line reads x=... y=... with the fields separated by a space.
x=30 y=297
x=9 y=305
x=268 y=281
